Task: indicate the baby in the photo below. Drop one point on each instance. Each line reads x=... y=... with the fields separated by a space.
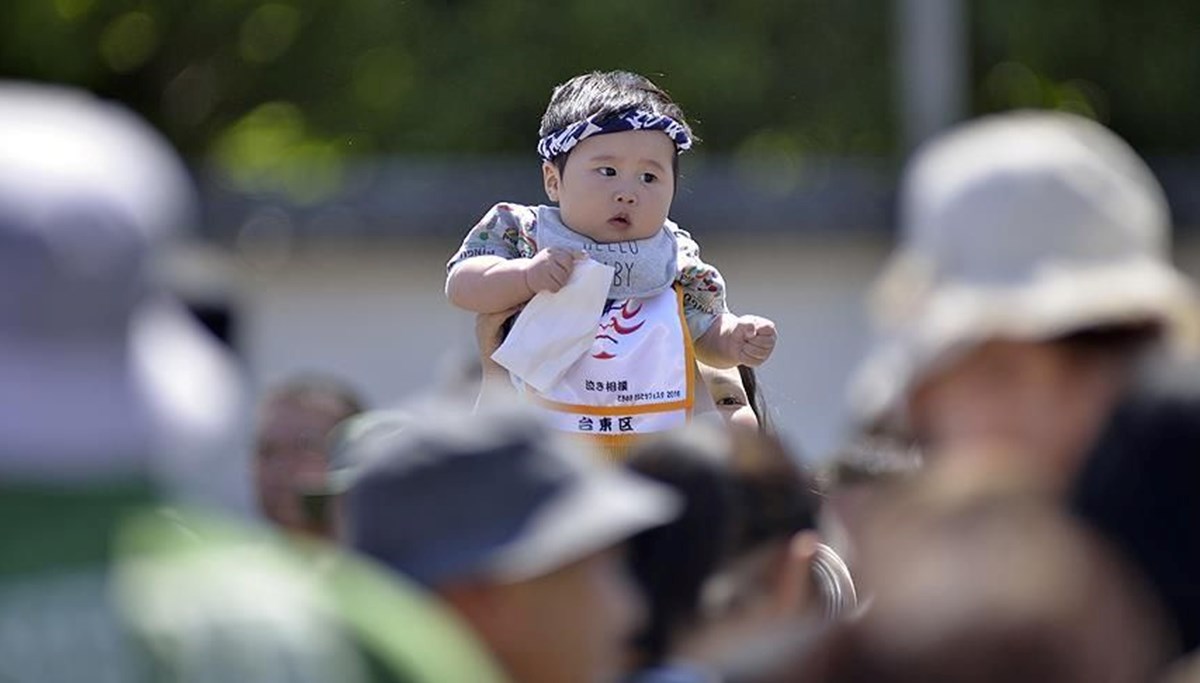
x=610 y=144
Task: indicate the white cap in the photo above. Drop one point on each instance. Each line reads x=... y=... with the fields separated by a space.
x=1024 y=225
x=103 y=374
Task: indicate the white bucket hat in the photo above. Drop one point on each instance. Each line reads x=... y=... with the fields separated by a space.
x=102 y=375
x=1024 y=225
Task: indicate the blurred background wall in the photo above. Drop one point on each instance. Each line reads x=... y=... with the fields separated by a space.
x=345 y=146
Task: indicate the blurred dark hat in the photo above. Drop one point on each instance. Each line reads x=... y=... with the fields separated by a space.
x=495 y=495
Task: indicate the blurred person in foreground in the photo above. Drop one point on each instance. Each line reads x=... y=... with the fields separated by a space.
x=513 y=526
x=1186 y=671
x=1032 y=275
x=1141 y=486
x=977 y=579
x=742 y=561
x=1029 y=305
x=324 y=498
x=291 y=455
x=853 y=481
x=113 y=402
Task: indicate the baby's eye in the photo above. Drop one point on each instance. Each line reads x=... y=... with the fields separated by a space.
x=608 y=171
x=649 y=178
x=731 y=401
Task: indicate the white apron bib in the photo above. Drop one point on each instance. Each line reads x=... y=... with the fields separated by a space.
x=637 y=378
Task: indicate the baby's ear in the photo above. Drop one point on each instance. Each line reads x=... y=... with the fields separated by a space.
x=551 y=180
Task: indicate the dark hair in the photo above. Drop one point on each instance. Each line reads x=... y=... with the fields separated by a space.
x=1139 y=485
x=754 y=396
x=1119 y=340
x=871 y=458
x=777 y=497
x=605 y=93
x=740 y=490
x=317 y=387
x=671 y=563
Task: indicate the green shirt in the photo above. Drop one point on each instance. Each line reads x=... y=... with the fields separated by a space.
x=108 y=585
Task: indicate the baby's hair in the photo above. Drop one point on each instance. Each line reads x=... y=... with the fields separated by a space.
x=603 y=93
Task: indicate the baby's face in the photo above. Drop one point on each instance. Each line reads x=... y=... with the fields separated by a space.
x=615 y=187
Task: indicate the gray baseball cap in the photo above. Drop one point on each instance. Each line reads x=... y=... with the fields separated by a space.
x=495 y=495
x=1023 y=225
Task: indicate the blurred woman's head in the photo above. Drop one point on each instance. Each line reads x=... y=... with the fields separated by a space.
x=740 y=558
x=976 y=577
x=992 y=584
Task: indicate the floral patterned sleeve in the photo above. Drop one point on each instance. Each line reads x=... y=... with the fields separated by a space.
x=507 y=231
x=703 y=286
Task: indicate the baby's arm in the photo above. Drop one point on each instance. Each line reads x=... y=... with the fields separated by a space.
x=489 y=284
x=497 y=268
x=722 y=339
x=736 y=340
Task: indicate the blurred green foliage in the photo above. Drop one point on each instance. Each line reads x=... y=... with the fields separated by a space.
x=281 y=93
x=275 y=87
x=1134 y=65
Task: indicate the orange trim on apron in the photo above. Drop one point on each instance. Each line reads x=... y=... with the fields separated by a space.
x=616 y=446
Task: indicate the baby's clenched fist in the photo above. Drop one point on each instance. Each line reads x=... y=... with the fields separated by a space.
x=550 y=269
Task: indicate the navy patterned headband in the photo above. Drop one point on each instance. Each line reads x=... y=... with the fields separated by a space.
x=563 y=141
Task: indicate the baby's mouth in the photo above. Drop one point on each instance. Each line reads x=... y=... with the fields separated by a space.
x=621 y=220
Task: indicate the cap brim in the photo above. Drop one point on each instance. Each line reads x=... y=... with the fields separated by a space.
x=939 y=326
x=603 y=510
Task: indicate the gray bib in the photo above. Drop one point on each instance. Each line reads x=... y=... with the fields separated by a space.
x=641 y=268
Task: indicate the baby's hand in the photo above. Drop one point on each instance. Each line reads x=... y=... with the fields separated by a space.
x=550 y=269
x=754 y=339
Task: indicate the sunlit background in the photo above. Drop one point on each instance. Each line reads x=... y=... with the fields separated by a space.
x=344 y=147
